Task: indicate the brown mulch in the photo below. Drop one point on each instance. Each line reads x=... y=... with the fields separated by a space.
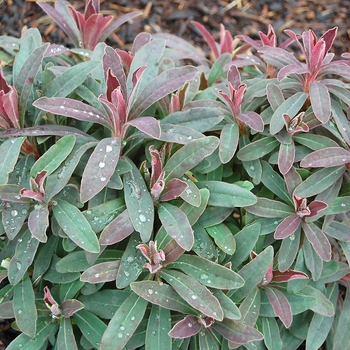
x=238 y=16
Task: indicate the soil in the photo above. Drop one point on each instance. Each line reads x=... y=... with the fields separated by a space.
x=238 y=16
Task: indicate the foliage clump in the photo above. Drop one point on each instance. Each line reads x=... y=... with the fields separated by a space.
x=147 y=203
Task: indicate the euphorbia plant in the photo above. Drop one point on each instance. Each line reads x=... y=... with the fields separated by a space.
x=163 y=205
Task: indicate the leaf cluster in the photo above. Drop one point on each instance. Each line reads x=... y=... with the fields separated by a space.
x=149 y=203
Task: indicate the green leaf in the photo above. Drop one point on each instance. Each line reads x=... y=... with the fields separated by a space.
x=138 y=202
x=322 y=306
x=10 y=150
x=319 y=181
x=124 y=323
x=44 y=329
x=14 y=215
x=314 y=141
x=75 y=226
x=176 y=225
x=25 y=79
x=253 y=273
x=25 y=251
x=69 y=80
x=60 y=177
x=230 y=309
x=272 y=337
x=102 y=272
x=100 y=167
x=158 y=328
x=250 y=307
x=53 y=276
x=91 y=326
x=257 y=149
x=188 y=156
x=197 y=295
x=54 y=156
x=228 y=195
x=245 y=242
x=65 y=337
x=275 y=183
x=24 y=307
x=291 y=106
x=217 y=69
x=207 y=272
x=321 y=325
x=223 y=238
x=161 y=294
x=340 y=205
x=269 y=208
x=131 y=263
x=38 y=222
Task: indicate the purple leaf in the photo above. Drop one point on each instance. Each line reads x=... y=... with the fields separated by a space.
x=287 y=227
x=176 y=225
x=185 y=328
x=316 y=206
x=100 y=167
x=54 y=50
x=70 y=307
x=237 y=332
x=286 y=157
x=197 y=295
x=173 y=189
x=118 y=229
x=38 y=222
x=318 y=240
x=208 y=38
x=162 y=85
x=71 y=108
x=288 y=275
x=102 y=272
x=148 y=125
x=295 y=68
x=280 y=305
x=112 y=61
x=172 y=252
x=292 y=180
x=320 y=101
x=327 y=157
x=252 y=119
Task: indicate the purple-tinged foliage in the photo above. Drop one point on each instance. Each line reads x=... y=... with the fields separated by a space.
x=154 y=204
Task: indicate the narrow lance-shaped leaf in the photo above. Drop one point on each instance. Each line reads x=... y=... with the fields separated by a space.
x=228 y=142
x=138 y=202
x=291 y=106
x=252 y=119
x=223 y=238
x=207 y=272
x=319 y=181
x=189 y=156
x=197 y=295
x=186 y=328
x=318 y=240
x=162 y=85
x=228 y=195
x=257 y=149
x=237 y=332
x=269 y=208
x=149 y=125
x=24 y=307
x=161 y=294
x=65 y=337
x=100 y=167
x=327 y=157
x=38 y=222
x=176 y=224
x=91 y=326
x=25 y=79
x=157 y=329
x=124 y=323
x=54 y=156
x=71 y=108
x=320 y=101
x=118 y=229
x=287 y=227
x=69 y=80
x=102 y=272
x=10 y=150
x=286 y=156
x=75 y=225
x=280 y=305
